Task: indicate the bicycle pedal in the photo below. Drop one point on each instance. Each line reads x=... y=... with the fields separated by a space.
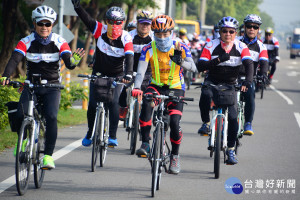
x=204 y=134
x=143 y=156
x=210 y=148
x=111 y=146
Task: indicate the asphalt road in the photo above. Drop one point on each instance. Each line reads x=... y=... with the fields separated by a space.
x=268 y=168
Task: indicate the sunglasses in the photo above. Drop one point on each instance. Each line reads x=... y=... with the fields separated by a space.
x=251 y=26
x=112 y=22
x=226 y=31
x=268 y=34
x=47 y=24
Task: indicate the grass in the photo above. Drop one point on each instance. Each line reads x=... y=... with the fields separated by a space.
x=65 y=118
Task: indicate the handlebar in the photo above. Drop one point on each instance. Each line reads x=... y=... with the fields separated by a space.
x=17 y=84
x=94 y=77
x=166 y=97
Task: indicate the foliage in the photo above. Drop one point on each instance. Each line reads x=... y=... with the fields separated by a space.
x=7 y=94
x=68 y=98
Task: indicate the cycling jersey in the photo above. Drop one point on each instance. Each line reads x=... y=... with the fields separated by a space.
x=272 y=47
x=165 y=64
x=226 y=72
x=258 y=53
x=41 y=59
x=110 y=54
x=138 y=44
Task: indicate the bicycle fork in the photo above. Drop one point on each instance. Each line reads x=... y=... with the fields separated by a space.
x=224 y=131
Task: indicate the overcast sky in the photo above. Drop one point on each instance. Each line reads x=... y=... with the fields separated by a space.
x=283 y=12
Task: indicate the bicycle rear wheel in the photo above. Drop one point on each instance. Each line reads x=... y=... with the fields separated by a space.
x=262 y=92
x=23 y=160
x=104 y=142
x=135 y=128
x=96 y=141
x=156 y=159
x=218 y=147
x=38 y=172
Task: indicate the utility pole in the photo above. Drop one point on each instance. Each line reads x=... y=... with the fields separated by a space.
x=202 y=16
x=183 y=13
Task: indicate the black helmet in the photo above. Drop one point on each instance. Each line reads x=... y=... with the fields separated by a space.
x=115 y=13
x=216 y=28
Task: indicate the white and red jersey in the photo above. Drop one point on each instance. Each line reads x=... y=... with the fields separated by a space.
x=226 y=72
x=272 y=47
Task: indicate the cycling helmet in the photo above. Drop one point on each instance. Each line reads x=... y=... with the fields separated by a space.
x=162 y=23
x=252 y=18
x=131 y=25
x=228 y=22
x=115 y=13
x=43 y=13
x=144 y=16
x=190 y=37
x=269 y=30
x=182 y=31
x=242 y=28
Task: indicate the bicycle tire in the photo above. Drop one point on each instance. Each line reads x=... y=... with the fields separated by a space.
x=161 y=153
x=23 y=161
x=218 y=147
x=38 y=172
x=262 y=92
x=96 y=142
x=135 y=128
x=156 y=156
x=104 y=142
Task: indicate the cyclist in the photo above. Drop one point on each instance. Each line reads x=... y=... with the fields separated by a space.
x=215 y=34
x=222 y=58
x=183 y=37
x=167 y=76
x=114 y=47
x=140 y=37
x=272 y=45
x=242 y=30
x=131 y=26
x=259 y=55
x=43 y=50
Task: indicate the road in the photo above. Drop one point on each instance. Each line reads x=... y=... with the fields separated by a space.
x=268 y=168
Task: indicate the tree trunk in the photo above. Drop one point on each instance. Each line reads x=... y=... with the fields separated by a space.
x=86 y=48
x=9 y=12
x=75 y=28
x=130 y=14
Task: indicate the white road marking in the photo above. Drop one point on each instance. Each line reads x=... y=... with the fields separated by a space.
x=294 y=63
x=58 y=154
x=297 y=115
x=289 y=101
x=293 y=73
x=292 y=67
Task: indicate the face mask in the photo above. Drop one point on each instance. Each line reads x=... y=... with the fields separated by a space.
x=164 y=44
x=43 y=41
x=114 y=31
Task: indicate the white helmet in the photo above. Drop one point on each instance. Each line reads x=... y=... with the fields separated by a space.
x=43 y=13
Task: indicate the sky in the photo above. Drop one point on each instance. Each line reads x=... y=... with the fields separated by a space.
x=283 y=12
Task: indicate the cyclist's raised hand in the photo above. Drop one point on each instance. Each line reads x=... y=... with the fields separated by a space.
x=4 y=81
x=76 y=3
x=77 y=56
x=177 y=57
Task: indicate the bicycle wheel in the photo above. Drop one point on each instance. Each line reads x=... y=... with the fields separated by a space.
x=23 y=161
x=135 y=128
x=96 y=141
x=156 y=157
x=104 y=142
x=262 y=92
x=218 y=147
x=38 y=172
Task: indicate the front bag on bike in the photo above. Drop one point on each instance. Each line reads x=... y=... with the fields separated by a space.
x=12 y=115
x=103 y=90
x=223 y=95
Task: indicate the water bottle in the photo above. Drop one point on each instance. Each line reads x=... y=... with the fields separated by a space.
x=113 y=84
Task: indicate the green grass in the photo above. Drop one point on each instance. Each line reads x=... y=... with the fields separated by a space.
x=65 y=118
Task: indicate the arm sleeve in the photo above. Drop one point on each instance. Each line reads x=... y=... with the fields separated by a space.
x=264 y=64
x=207 y=64
x=188 y=64
x=66 y=58
x=129 y=64
x=12 y=64
x=249 y=68
x=86 y=18
x=142 y=67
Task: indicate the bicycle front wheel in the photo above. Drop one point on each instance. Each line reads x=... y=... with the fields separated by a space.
x=104 y=142
x=135 y=128
x=96 y=141
x=39 y=173
x=218 y=147
x=23 y=160
x=156 y=159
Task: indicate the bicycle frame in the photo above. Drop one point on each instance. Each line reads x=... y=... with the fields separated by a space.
x=240 y=110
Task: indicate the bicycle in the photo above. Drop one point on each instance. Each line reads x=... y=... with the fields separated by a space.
x=241 y=117
x=100 y=131
x=131 y=122
x=30 y=145
x=261 y=81
x=160 y=152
